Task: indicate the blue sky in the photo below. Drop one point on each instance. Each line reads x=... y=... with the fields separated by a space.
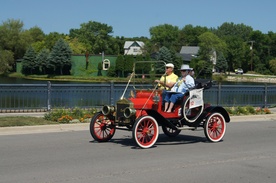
x=134 y=18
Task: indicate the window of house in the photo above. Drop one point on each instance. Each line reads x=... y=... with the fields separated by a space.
x=106 y=64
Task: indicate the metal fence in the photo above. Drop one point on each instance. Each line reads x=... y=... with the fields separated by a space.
x=44 y=97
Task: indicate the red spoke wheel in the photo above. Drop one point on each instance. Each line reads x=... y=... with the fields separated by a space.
x=102 y=128
x=170 y=132
x=145 y=131
x=215 y=127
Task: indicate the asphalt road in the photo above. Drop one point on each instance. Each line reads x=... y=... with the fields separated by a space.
x=247 y=154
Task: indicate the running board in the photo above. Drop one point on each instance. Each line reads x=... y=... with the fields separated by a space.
x=188 y=128
x=123 y=128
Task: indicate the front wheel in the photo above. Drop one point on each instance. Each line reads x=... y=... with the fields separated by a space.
x=145 y=131
x=102 y=128
x=215 y=127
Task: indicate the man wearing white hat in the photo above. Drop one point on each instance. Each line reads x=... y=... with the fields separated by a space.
x=184 y=83
x=168 y=79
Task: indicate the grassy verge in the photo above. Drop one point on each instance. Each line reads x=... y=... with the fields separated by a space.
x=24 y=121
x=77 y=115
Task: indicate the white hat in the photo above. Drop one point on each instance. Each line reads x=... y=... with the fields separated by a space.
x=185 y=67
x=170 y=65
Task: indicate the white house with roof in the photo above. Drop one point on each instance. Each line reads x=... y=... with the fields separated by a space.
x=189 y=52
x=133 y=47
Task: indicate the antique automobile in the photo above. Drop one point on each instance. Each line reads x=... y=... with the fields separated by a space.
x=142 y=114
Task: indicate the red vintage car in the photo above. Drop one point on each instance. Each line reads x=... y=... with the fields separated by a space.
x=143 y=115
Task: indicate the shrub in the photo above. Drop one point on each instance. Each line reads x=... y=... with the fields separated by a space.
x=68 y=115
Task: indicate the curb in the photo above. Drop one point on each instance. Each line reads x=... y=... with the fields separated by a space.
x=19 y=130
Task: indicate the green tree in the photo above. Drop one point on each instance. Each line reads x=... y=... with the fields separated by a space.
x=221 y=65
x=36 y=34
x=128 y=63
x=96 y=36
x=6 y=60
x=51 y=39
x=42 y=60
x=29 y=63
x=189 y=35
x=75 y=45
x=14 y=38
x=120 y=65
x=272 y=64
x=236 y=36
x=60 y=57
x=163 y=55
x=209 y=42
x=237 y=30
x=165 y=35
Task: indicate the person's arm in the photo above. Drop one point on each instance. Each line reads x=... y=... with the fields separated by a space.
x=190 y=82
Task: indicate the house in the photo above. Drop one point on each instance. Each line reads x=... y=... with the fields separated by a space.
x=133 y=47
x=188 y=52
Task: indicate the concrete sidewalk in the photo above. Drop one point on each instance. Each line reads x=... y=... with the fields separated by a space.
x=85 y=126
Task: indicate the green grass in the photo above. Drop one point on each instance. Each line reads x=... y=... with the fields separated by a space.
x=24 y=121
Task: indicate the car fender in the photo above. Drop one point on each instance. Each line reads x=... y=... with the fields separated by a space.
x=207 y=111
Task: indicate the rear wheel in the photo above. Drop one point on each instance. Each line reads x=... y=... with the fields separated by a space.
x=215 y=127
x=145 y=131
x=170 y=132
x=102 y=128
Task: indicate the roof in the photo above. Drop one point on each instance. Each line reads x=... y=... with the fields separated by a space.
x=133 y=43
x=192 y=50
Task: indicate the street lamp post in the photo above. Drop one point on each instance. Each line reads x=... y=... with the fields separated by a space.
x=251 y=48
x=102 y=56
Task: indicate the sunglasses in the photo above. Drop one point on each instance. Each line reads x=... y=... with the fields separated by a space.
x=168 y=67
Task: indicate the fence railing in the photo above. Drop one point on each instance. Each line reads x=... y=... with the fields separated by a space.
x=44 y=97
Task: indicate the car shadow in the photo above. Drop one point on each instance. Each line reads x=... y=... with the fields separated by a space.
x=163 y=140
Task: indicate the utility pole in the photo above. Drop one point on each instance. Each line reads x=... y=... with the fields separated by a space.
x=251 y=48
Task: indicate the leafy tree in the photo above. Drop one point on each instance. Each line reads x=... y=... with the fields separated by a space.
x=60 y=57
x=6 y=60
x=209 y=42
x=271 y=44
x=237 y=30
x=165 y=35
x=42 y=60
x=120 y=65
x=36 y=34
x=14 y=38
x=29 y=63
x=111 y=72
x=51 y=39
x=204 y=69
x=164 y=55
x=76 y=46
x=221 y=65
x=236 y=53
x=188 y=35
x=272 y=64
x=128 y=63
x=100 y=68
x=95 y=35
